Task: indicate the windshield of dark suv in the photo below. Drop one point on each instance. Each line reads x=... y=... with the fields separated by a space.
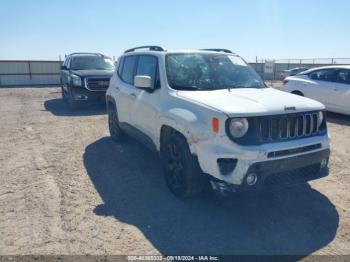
x=204 y=71
x=91 y=62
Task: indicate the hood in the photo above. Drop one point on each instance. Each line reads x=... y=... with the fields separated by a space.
x=93 y=72
x=252 y=101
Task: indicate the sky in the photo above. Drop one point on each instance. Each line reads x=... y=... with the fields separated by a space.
x=267 y=29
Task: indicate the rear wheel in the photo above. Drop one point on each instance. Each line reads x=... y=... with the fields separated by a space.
x=182 y=172
x=113 y=124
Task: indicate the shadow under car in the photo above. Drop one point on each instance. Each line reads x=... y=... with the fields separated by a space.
x=59 y=107
x=128 y=177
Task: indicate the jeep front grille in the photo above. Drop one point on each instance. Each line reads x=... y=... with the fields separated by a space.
x=97 y=84
x=279 y=128
x=288 y=126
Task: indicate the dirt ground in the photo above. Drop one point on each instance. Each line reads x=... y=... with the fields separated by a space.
x=66 y=188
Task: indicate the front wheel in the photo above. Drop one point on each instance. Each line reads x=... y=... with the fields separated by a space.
x=63 y=93
x=182 y=172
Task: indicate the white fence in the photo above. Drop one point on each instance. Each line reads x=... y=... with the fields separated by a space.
x=29 y=73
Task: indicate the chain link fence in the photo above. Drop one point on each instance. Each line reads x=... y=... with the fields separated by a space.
x=286 y=64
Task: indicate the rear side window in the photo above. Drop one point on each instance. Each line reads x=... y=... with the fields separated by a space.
x=323 y=75
x=127 y=74
x=343 y=76
x=147 y=65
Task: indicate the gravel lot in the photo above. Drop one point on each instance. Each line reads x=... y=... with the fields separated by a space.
x=66 y=188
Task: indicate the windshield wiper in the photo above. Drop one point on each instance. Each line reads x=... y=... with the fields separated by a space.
x=186 y=88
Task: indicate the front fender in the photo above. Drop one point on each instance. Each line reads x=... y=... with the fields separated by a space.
x=192 y=126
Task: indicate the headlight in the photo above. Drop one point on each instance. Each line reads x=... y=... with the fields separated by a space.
x=238 y=127
x=320 y=118
x=76 y=80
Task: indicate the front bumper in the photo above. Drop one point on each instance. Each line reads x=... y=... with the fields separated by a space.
x=275 y=164
x=281 y=173
x=83 y=94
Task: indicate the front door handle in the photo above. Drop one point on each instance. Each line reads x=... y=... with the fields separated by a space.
x=133 y=95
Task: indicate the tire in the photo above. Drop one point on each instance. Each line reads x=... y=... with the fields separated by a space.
x=64 y=94
x=181 y=169
x=113 y=124
x=68 y=97
x=297 y=93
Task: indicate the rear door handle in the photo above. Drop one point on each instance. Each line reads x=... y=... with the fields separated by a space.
x=133 y=95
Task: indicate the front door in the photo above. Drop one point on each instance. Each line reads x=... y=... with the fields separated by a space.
x=143 y=109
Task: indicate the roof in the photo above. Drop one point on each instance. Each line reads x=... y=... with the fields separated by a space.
x=85 y=54
x=176 y=51
x=328 y=67
x=158 y=49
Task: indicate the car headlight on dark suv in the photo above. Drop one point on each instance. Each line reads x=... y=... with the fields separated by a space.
x=238 y=127
x=76 y=80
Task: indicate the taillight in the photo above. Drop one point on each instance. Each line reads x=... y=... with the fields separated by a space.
x=285 y=81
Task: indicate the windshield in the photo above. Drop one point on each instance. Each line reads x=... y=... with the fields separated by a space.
x=92 y=62
x=203 y=71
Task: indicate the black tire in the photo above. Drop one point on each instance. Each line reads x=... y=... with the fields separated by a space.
x=68 y=97
x=113 y=124
x=64 y=94
x=182 y=173
x=297 y=93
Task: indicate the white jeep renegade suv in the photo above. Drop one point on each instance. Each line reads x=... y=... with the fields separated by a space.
x=212 y=118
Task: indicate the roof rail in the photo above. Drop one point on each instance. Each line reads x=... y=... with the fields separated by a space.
x=86 y=53
x=150 y=47
x=218 y=50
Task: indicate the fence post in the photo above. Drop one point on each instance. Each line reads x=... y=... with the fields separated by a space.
x=30 y=71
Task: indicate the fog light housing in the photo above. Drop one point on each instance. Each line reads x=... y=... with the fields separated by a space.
x=324 y=163
x=251 y=179
x=226 y=165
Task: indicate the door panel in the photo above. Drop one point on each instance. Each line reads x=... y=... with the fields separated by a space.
x=126 y=88
x=320 y=85
x=340 y=98
x=142 y=108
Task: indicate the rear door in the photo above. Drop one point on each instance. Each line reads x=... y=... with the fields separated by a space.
x=125 y=87
x=340 y=98
x=320 y=85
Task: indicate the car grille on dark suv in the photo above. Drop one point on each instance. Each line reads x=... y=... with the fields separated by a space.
x=278 y=128
x=97 y=84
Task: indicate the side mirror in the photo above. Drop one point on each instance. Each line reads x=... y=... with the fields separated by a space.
x=63 y=67
x=144 y=82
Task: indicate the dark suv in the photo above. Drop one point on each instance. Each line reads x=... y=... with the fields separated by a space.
x=85 y=76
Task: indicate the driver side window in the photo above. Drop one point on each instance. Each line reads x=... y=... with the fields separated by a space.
x=148 y=66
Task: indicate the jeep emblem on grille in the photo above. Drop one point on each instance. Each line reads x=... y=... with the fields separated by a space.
x=289 y=108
